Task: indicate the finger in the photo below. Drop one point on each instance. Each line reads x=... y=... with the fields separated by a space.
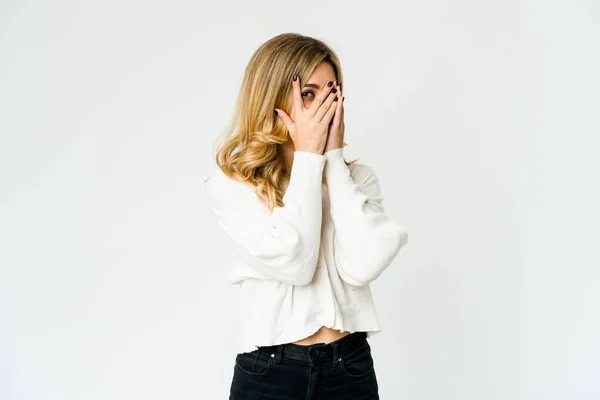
x=339 y=106
x=326 y=105
x=330 y=112
x=297 y=94
x=289 y=123
x=319 y=98
x=339 y=109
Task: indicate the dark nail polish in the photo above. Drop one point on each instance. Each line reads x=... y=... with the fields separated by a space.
x=343 y=98
x=295 y=78
x=334 y=90
x=330 y=83
x=340 y=85
x=335 y=99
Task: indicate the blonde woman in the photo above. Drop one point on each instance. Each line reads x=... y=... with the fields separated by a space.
x=306 y=229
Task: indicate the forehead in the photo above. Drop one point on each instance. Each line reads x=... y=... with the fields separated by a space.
x=321 y=75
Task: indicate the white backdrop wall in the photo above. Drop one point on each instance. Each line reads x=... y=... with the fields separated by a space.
x=480 y=118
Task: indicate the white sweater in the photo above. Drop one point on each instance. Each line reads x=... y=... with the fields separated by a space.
x=309 y=263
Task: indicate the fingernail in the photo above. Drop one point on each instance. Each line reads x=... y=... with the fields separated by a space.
x=334 y=90
x=343 y=98
x=295 y=78
x=340 y=85
x=330 y=83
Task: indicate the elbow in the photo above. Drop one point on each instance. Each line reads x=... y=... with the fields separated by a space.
x=304 y=274
x=402 y=238
x=361 y=269
x=364 y=267
x=303 y=279
x=353 y=279
x=360 y=274
x=298 y=266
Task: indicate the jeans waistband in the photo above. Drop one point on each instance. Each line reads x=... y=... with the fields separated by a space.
x=318 y=352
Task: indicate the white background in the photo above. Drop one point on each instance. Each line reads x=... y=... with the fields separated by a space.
x=480 y=118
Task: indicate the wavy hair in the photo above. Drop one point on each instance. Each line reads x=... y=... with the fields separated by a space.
x=251 y=148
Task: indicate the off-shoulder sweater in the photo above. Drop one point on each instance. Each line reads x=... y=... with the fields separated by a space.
x=308 y=263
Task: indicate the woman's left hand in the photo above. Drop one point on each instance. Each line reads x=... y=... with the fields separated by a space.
x=335 y=134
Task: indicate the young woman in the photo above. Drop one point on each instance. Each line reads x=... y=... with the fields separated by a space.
x=306 y=229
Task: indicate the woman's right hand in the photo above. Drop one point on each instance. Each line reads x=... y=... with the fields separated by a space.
x=309 y=128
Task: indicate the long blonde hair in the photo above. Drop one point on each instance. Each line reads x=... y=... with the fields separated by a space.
x=251 y=149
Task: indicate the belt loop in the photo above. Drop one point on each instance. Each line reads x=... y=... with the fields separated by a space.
x=279 y=354
x=335 y=354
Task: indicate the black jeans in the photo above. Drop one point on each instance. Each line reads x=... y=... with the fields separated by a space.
x=339 y=370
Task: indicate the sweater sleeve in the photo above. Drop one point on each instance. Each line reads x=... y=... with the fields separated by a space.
x=366 y=239
x=283 y=244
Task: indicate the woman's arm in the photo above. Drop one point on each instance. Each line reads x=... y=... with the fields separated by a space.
x=366 y=239
x=282 y=245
